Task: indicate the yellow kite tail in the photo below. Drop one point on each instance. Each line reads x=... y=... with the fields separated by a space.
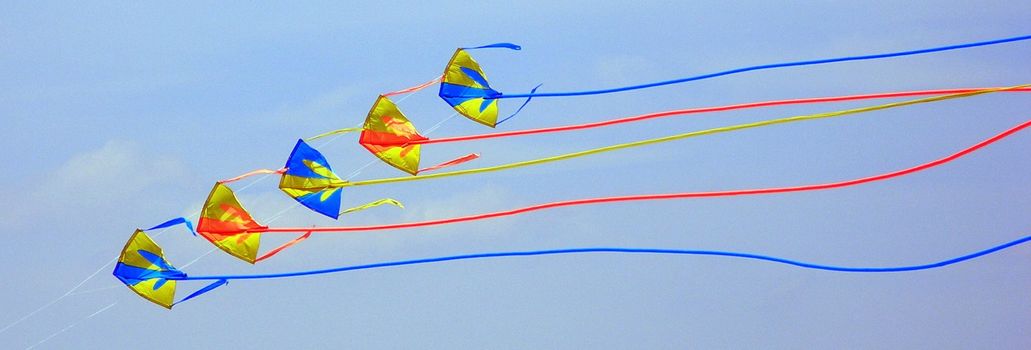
x=684 y=136
x=331 y=133
x=377 y=203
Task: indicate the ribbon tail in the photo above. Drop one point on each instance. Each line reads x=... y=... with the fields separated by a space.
x=509 y=46
x=415 y=88
x=206 y=289
x=520 y=107
x=177 y=221
x=334 y=132
x=377 y=203
x=452 y=162
x=284 y=246
x=252 y=173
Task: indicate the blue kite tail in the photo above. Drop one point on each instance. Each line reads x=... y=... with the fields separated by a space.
x=802 y=264
x=509 y=46
x=520 y=107
x=206 y=289
x=173 y=222
x=770 y=66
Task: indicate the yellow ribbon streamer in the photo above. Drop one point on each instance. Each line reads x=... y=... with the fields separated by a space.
x=377 y=203
x=334 y=132
x=680 y=136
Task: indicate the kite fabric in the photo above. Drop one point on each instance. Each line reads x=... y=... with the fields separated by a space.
x=142 y=267
x=225 y=223
x=154 y=279
x=393 y=93
x=392 y=138
x=466 y=89
x=310 y=180
x=385 y=124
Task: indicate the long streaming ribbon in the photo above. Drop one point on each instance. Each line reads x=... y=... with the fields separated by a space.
x=750 y=256
x=415 y=88
x=252 y=173
x=688 y=111
x=668 y=196
x=764 y=67
x=678 y=137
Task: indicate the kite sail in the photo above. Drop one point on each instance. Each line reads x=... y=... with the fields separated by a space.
x=310 y=180
x=142 y=267
x=157 y=281
x=226 y=224
x=391 y=137
x=466 y=89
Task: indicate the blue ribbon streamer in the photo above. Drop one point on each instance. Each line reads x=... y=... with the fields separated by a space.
x=768 y=66
x=801 y=264
x=509 y=46
x=520 y=107
x=173 y=222
x=206 y=289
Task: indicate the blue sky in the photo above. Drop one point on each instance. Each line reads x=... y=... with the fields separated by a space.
x=121 y=116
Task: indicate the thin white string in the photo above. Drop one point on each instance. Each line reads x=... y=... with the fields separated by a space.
x=274 y=217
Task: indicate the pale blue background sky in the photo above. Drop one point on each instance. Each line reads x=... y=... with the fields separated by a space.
x=119 y=116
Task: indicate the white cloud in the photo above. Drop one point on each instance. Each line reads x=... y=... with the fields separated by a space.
x=117 y=169
x=320 y=107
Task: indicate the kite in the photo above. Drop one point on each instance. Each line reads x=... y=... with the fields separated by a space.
x=466 y=89
x=391 y=137
x=144 y=269
x=307 y=178
x=241 y=236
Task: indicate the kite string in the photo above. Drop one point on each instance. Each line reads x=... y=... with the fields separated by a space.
x=678 y=137
x=71 y=291
x=769 y=66
x=72 y=326
x=751 y=256
x=664 y=196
